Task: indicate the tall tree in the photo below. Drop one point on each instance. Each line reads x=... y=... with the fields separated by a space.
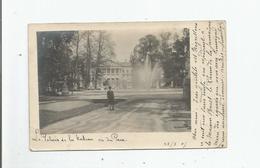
x=77 y=63
x=168 y=56
x=54 y=56
x=170 y=50
x=91 y=49
x=88 y=57
x=148 y=45
x=105 y=52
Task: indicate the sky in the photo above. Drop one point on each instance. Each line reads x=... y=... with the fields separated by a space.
x=125 y=40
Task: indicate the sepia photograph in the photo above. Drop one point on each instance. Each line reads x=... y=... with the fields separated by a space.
x=128 y=84
x=119 y=85
x=115 y=80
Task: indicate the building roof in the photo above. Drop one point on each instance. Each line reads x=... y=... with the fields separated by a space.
x=111 y=63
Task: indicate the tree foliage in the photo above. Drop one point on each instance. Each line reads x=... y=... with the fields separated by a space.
x=147 y=45
x=169 y=49
x=54 y=57
x=71 y=57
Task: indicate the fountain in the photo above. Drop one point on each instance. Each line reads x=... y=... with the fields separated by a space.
x=148 y=75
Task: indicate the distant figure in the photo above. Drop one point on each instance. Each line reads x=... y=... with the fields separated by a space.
x=110 y=98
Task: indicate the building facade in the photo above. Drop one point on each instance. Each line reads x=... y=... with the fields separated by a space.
x=118 y=75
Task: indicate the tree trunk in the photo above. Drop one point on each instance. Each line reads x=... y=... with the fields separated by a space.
x=77 y=59
x=100 y=46
x=89 y=57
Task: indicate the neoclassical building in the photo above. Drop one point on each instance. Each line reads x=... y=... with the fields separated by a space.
x=118 y=75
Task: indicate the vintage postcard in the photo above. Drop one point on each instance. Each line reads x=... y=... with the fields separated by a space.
x=136 y=85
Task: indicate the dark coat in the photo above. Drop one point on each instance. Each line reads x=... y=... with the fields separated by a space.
x=110 y=96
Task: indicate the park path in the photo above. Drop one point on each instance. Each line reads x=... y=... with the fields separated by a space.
x=103 y=120
x=139 y=112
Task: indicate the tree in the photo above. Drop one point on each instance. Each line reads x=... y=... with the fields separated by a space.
x=105 y=52
x=79 y=61
x=171 y=50
x=167 y=57
x=186 y=83
x=91 y=49
x=72 y=57
x=88 y=57
x=147 y=45
x=174 y=52
x=53 y=58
